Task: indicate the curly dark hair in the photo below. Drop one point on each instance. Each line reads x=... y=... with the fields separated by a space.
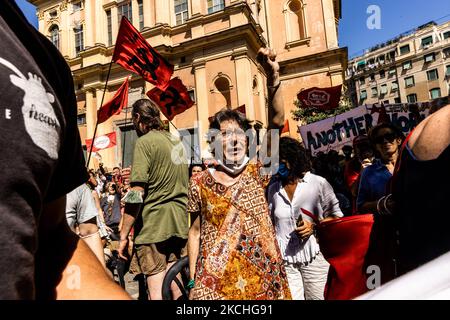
x=293 y=152
x=228 y=115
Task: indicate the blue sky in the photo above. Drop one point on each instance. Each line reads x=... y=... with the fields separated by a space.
x=29 y=11
x=397 y=16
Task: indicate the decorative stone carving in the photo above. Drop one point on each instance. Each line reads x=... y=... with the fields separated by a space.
x=63 y=5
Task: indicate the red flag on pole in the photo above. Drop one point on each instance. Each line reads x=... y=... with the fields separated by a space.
x=134 y=53
x=285 y=127
x=383 y=117
x=241 y=109
x=102 y=142
x=322 y=98
x=115 y=105
x=172 y=101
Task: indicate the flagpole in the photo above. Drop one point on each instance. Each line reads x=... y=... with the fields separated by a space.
x=170 y=122
x=124 y=138
x=96 y=122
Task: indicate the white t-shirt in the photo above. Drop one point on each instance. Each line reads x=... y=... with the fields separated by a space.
x=313 y=194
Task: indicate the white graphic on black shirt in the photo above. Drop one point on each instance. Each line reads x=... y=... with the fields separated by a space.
x=39 y=116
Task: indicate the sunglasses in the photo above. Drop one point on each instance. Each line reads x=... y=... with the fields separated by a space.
x=389 y=137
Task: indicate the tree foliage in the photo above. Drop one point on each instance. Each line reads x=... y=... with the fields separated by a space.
x=310 y=114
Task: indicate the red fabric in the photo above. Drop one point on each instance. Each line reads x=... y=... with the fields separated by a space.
x=351 y=173
x=115 y=105
x=102 y=142
x=322 y=98
x=172 y=101
x=344 y=243
x=285 y=127
x=134 y=53
x=241 y=109
x=383 y=117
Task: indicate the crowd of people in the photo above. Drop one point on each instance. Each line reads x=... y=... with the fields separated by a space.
x=249 y=231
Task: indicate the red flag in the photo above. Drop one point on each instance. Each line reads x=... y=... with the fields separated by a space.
x=241 y=109
x=134 y=53
x=285 y=127
x=344 y=243
x=383 y=117
x=172 y=101
x=322 y=98
x=102 y=142
x=115 y=105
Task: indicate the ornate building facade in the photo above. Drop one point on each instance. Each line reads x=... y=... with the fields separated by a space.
x=211 y=43
x=413 y=67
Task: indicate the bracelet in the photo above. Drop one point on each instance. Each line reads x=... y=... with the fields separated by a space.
x=378 y=205
x=190 y=284
x=384 y=204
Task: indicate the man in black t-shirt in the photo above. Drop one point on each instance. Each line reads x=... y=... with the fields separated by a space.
x=41 y=151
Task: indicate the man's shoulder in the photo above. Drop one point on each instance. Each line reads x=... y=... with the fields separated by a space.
x=157 y=136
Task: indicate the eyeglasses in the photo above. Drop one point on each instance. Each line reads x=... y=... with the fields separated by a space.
x=389 y=137
x=228 y=134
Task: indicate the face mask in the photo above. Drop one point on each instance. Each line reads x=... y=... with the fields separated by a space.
x=283 y=171
x=234 y=169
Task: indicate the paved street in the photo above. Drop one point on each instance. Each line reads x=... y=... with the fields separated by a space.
x=131 y=286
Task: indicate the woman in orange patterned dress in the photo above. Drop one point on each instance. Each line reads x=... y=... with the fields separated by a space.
x=233 y=252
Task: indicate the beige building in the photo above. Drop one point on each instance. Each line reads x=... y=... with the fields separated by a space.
x=211 y=43
x=414 y=67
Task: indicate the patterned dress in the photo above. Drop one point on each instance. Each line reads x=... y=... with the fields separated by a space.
x=239 y=257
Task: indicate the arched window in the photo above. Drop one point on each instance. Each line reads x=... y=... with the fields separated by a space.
x=222 y=86
x=54 y=35
x=294 y=15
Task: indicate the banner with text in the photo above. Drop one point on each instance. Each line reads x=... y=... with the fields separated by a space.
x=335 y=132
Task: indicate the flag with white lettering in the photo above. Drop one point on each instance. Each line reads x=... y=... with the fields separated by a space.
x=321 y=98
x=102 y=142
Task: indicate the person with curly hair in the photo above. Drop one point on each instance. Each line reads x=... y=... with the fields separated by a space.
x=233 y=253
x=298 y=199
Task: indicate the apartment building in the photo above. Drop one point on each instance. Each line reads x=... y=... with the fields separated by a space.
x=414 y=67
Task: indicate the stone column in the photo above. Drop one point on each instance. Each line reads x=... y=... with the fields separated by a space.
x=108 y=155
x=149 y=17
x=101 y=34
x=64 y=32
x=135 y=13
x=329 y=24
x=91 y=113
x=162 y=9
x=244 y=81
x=115 y=23
x=262 y=98
x=88 y=24
x=201 y=91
